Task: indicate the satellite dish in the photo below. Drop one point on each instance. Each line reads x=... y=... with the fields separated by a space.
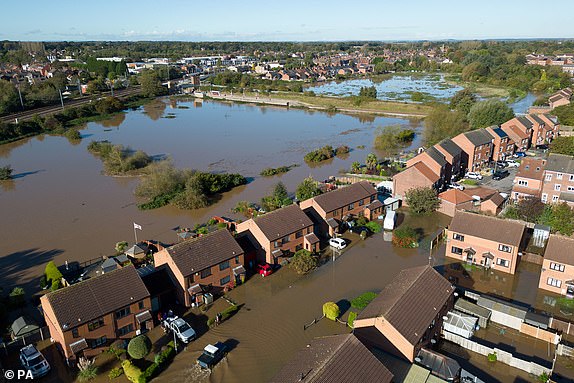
x=445 y=317
x=433 y=341
x=417 y=359
x=456 y=294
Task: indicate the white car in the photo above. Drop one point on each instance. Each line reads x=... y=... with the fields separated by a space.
x=473 y=175
x=454 y=185
x=181 y=328
x=33 y=361
x=512 y=163
x=338 y=243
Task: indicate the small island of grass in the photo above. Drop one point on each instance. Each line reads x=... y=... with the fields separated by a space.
x=118 y=159
x=269 y=172
x=325 y=153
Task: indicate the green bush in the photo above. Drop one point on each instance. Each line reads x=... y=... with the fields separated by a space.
x=303 y=261
x=363 y=300
x=229 y=312
x=322 y=154
x=56 y=284
x=405 y=236
x=17 y=297
x=132 y=372
x=374 y=227
x=115 y=372
x=492 y=357
x=52 y=272
x=5 y=172
x=331 y=310
x=88 y=373
x=43 y=282
x=139 y=347
x=351 y=319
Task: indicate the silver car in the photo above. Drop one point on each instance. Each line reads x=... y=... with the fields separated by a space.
x=33 y=361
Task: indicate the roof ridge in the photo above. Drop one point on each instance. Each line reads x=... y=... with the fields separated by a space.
x=193 y=240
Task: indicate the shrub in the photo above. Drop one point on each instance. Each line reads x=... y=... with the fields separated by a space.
x=543 y=378
x=229 y=312
x=374 y=227
x=115 y=372
x=17 y=297
x=322 y=154
x=363 y=300
x=73 y=134
x=422 y=200
x=351 y=319
x=43 y=282
x=492 y=357
x=405 y=236
x=121 y=246
x=132 y=372
x=52 y=272
x=5 y=172
x=331 y=310
x=87 y=369
x=303 y=261
x=343 y=149
x=56 y=285
x=139 y=347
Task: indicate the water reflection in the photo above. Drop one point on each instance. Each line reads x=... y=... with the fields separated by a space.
x=155 y=109
x=114 y=121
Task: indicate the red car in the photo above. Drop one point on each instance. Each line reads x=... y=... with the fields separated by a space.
x=264 y=270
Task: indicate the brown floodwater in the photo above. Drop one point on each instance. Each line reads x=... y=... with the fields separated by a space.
x=61 y=207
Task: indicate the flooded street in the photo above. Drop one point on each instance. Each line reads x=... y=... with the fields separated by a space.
x=61 y=207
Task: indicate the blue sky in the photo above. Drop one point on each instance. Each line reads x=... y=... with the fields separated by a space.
x=285 y=20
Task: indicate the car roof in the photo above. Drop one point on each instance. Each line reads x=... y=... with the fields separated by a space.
x=29 y=350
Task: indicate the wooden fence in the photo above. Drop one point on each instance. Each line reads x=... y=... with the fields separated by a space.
x=16 y=344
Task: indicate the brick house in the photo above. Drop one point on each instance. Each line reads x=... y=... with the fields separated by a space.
x=519 y=129
x=486 y=241
x=477 y=148
x=453 y=155
x=560 y=98
x=503 y=146
x=436 y=162
x=558 y=183
x=86 y=317
x=480 y=199
x=415 y=176
x=206 y=264
x=544 y=129
x=407 y=314
x=328 y=210
x=558 y=266
x=280 y=233
x=452 y=200
x=528 y=179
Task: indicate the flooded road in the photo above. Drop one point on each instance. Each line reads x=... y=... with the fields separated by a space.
x=61 y=207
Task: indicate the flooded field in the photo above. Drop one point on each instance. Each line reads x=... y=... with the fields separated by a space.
x=61 y=207
x=398 y=87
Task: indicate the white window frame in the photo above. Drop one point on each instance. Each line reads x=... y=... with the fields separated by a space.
x=505 y=248
x=555 y=198
x=559 y=176
x=544 y=197
x=554 y=282
x=502 y=262
x=557 y=267
x=522 y=183
x=548 y=177
x=557 y=187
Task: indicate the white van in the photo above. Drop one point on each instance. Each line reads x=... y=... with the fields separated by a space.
x=390 y=220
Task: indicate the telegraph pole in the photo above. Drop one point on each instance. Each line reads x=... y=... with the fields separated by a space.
x=61 y=99
x=20 y=94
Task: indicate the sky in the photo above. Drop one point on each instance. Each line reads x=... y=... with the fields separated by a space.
x=285 y=20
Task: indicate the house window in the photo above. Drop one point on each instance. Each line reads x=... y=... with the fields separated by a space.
x=285 y=240
x=276 y=244
x=299 y=234
x=570 y=188
x=298 y=247
x=502 y=262
x=456 y=250
x=458 y=237
x=544 y=198
x=557 y=187
x=190 y=279
x=559 y=176
x=572 y=177
x=123 y=312
x=224 y=281
x=361 y=202
x=126 y=330
x=95 y=324
x=554 y=198
x=206 y=272
x=553 y=282
x=351 y=206
x=557 y=266
x=237 y=260
x=548 y=177
x=98 y=342
x=373 y=198
x=75 y=332
x=224 y=265
x=505 y=248
x=522 y=183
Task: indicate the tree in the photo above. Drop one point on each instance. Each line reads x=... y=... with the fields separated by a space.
x=277 y=199
x=563 y=145
x=303 y=261
x=17 y=297
x=355 y=167
x=139 y=347
x=151 y=84
x=488 y=113
x=121 y=247
x=9 y=100
x=463 y=100
x=475 y=71
x=331 y=310
x=443 y=123
x=371 y=161
x=422 y=200
x=309 y=188
x=562 y=219
x=368 y=92
x=6 y=172
x=565 y=114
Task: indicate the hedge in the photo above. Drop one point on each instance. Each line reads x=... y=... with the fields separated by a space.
x=351 y=319
x=139 y=347
x=133 y=373
x=331 y=310
x=363 y=300
x=161 y=359
x=225 y=314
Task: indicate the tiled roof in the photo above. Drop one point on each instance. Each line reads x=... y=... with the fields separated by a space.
x=196 y=254
x=559 y=249
x=478 y=137
x=491 y=228
x=411 y=301
x=532 y=168
x=344 y=196
x=437 y=156
x=334 y=359
x=560 y=163
x=525 y=122
x=282 y=222
x=450 y=147
x=538 y=120
x=455 y=196
x=96 y=297
x=425 y=171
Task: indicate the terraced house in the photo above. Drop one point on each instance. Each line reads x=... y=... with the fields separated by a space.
x=87 y=317
x=477 y=148
x=519 y=129
x=558 y=267
x=558 y=183
x=544 y=128
x=280 y=233
x=503 y=146
x=436 y=162
x=453 y=155
x=528 y=180
x=202 y=265
x=486 y=241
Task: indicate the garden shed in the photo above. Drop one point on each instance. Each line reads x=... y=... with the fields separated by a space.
x=505 y=313
x=467 y=307
x=460 y=324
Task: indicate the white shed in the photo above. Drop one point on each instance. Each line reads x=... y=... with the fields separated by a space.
x=460 y=324
x=505 y=313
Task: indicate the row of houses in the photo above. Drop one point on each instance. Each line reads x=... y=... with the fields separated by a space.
x=87 y=316
x=564 y=61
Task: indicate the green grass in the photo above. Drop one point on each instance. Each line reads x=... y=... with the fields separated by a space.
x=565 y=302
x=363 y=300
x=469 y=182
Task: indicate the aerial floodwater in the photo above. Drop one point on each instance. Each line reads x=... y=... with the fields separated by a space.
x=61 y=207
x=397 y=87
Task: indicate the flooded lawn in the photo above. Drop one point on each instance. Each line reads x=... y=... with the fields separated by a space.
x=398 y=87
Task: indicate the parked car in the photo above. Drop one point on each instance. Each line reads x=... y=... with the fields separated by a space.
x=264 y=270
x=501 y=164
x=454 y=185
x=500 y=174
x=337 y=243
x=33 y=361
x=519 y=154
x=473 y=175
x=212 y=354
x=359 y=229
x=180 y=327
x=542 y=146
x=513 y=163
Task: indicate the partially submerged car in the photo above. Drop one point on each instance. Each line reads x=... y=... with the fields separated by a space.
x=212 y=354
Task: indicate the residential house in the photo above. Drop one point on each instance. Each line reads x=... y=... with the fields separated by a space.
x=519 y=129
x=328 y=210
x=543 y=129
x=480 y=199
x=558 y=266
x=453 y=155
x=477 y=148
x=407 y=314
x=452 y=200
x=86 y=317
x=334 y=359
x=206 y=264
x=280 y=233
x=435 y=161
x=486 y=241
x=560 y=98
x=415 y=176
x=503 y=146
x=558 y=183
x=528 y=179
